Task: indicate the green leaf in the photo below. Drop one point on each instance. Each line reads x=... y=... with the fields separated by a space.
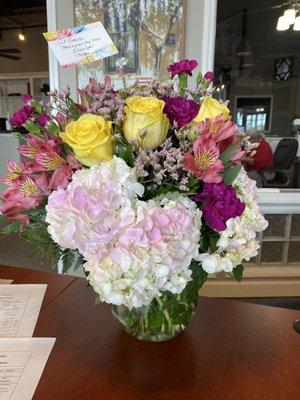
x=12 y=228
x=36 y=233
x=97 y=300
x=230 y=174
x=53 y=128
x=199 y=78
x=226 y=155
x=37 y=106
x=237 y=273
x=68 y=258
x=182 y=83
x=32 y=127
x=78 y=262
x=126 y=154
x=17 y=135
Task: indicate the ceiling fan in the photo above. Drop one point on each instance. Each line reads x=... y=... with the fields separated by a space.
x=9 y=53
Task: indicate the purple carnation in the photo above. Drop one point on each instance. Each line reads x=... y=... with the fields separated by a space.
x=43 y=119
x=27 y=99
x=220 y=203
x=180 y=110
x=182 y=67
x=21 y=116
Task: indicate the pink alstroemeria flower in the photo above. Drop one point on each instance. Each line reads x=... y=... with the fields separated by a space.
x=17 y=171
x=27 y=194
x=224 y=134
x=35 y=144
x=204 y=162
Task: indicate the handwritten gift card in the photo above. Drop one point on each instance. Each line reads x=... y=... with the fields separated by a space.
x=80 y=45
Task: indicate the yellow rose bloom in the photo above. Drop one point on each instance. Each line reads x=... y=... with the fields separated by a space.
x=90 y=138
x=145 y=121
x=211 y=108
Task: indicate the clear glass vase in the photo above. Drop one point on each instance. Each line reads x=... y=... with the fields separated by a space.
x=166 y=316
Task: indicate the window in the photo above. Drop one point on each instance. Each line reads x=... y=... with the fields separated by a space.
x=257 y=66
x=127 y=44
x=253 y=112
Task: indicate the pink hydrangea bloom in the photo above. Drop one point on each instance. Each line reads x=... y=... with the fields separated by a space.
x=133 y=249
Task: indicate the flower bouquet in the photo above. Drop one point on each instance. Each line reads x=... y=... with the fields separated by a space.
x=143 y=188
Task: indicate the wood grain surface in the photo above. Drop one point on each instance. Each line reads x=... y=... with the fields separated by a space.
x=230 y=351
x=56 y=283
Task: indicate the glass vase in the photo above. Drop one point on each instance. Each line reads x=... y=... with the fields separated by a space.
x=165 y=317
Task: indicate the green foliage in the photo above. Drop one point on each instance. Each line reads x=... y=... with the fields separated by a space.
x=71 y=258
x=230 y=174
x=33 y=127
x=237 y=273
x=208 y=239
x=199 y=78
x=167 y=313
x=37 y=234
x=37 y=106
x=182 y=83
x=68 y=258
x=126 y=153
x=12 y=228
x=73 y=111
x=226 y=155
x=53 y=128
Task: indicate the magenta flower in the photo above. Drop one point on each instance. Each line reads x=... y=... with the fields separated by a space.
x=180 y=111
x=182 y=67
x=27 y=99
x=204 y=163
x=43 y=119
x=21 y=116
x=209 y=76
x=220 y=203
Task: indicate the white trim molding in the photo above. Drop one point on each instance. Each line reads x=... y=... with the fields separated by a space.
x=60 y=15
x=200 y=33
x=279 y=201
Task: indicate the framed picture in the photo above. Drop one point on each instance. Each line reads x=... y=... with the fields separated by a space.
x=148 y=34
x=283 y=69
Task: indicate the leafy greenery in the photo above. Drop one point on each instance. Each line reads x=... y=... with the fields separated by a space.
x=167 y=314
x=230 y=174
x=237 y=273
x=12 y=228
x=226 y=155
x=126 y=153
x=37 y=234
x=208 y=239
x=33 y=127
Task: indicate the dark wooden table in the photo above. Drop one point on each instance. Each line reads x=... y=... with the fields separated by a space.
x=230 y=351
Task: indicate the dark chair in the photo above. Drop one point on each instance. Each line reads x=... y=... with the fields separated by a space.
x=279 y=175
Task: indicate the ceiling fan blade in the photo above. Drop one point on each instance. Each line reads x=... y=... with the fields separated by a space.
x=10 y=51
x=10 y=57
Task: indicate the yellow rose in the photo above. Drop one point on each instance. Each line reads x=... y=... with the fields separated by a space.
x=90 y=138
x=145 y=121
x=211 y=108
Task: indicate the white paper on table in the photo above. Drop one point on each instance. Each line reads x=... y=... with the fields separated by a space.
x=22 y=362
x=19 y=309
x=6 y=281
